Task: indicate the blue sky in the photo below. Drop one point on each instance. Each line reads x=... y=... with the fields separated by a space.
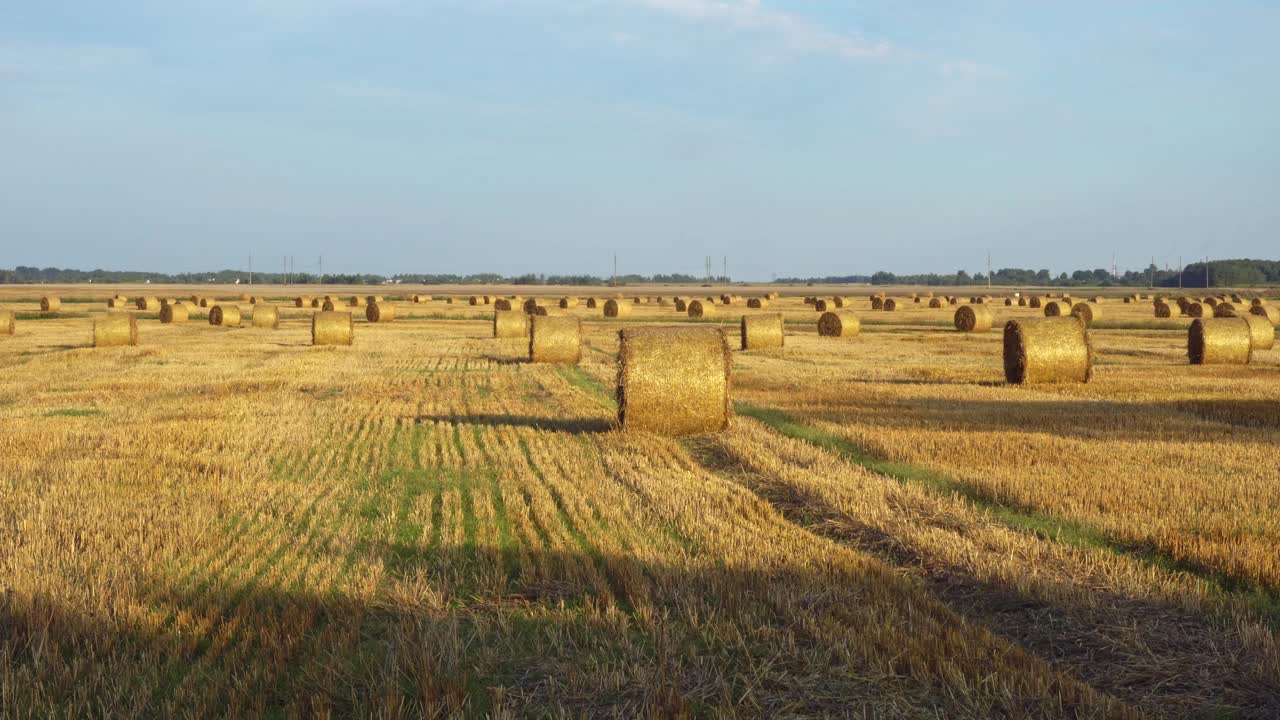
x=798 y=138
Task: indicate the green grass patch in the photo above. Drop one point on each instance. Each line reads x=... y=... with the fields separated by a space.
x=582 y=380
x=50 y=315
x=1264 y=600
x=74 y=412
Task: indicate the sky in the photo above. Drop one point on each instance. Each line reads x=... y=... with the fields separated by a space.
x=512 y=136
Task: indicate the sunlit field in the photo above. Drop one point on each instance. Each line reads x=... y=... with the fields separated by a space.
x=232 y=522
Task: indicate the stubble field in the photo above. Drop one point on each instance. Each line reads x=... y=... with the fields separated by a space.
x=232 y=522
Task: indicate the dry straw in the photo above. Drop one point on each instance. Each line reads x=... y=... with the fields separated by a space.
x=370 y=299
x=1022 y=301
x=758 y=303
x=331 y=328
x=568 y=302
x=1034 y=301
x=1008 y=302
x=317 y=303
x=266 y=316
x=355 y=301
x=823 y=305
x=115 y=329
x=225 y=315
x=1227 y=309
x=555 y=339
x=380 y=312
x=301 y=301
x=699 y=309
x=890 y=305
x=1261 y=332
x=1270 y=312
x=1164 y=310
x=329 y=305
x=510 y=324
x=681 y=305
x=505 y=304
x=1199 y=310
x=474 y=300
x=1087 y=312
x=615 y=309
x=592 y=303
x=935 y=303
x=840 y=323
x=973 y=318
x=760 y=332
x=544 y=311
x=50 y=304
x=117 y=302
x=877 y=302
x=174 y=314
x=673 y=381
x=1220 y=341
x=244 y=297
x=8 y=322
x=1056 y=308
x=842 y=302
x=1049 y=350
x=530 y=306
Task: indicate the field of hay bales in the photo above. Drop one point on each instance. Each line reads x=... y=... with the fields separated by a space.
x=232 y=521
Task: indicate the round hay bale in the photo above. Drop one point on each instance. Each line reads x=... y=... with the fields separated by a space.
x=1182 y=304
x=977 y=300
x=1235 y=298
x=530 y=306
x=615 y=309
x=1261 y=332
x=1096 y=299
x=1087 y=312
x=673 y=381
x=935 y=303
x=50 y=304
x=329 y=305
x=593 y=304
x=1227 y=309
x=317 y=303
x=877 y=302
x=842 y=302
x=973 y=318
x=953 y=300
x=773 y=295
x=1022 y=301
x=1165 y=310
x=840 y=323
x=890 y=305
x=543 y=310
x=758 y=303
x=823 y=305
x=1035 y=302
x=380 y=312
x=1211 y=301
x=916 y=299
x=568 y=302
x=1220 y=341
x=355 y=301
x=371 y=299
x=1008 y=302
x=1199 y=310
x=244 y=297
x=8 y=322
x=700 y=309
x=1257 y=302
x=117 y=302
x=1271 y=313
x=510 y=324
x=555 y=339
x=448 y=301
x=505 y=304
x=1056 y=308
x=474 y=300
x=681 y=305
x=225 y=315
x=726 y=299
x=115 y=329
x=419 y=299
x=174 y=314
x=301 y=301
x=760 y=332
x=487 y=299
x=332 y=328
x=1049 y=350
x=266 y=316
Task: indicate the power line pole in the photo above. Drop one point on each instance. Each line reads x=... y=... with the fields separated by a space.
x=988 y=269
x=726 y=268
x=615 y=270
x=1182 y=270
x=250 y=269
x=320 y=269
x=707 y=277
x=1151 y=273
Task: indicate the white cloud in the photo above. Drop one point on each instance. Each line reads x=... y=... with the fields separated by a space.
x=797 y=33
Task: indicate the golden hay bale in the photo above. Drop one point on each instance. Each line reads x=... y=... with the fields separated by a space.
x=681 y=305
x=419 y=299
x=1261 y=332
x=973 y=318
x=877 y=302
x=530 y=306
x=1034 y=302
x=1235 y=298
x=1269 y=312
x=1256 y=302
x=953 y=300
x=673 y=381
x=266 y=316
x=978 y=300
x=1049 y=350
x=726 y=299
x=355 y=301
x=1228 y=309
x=1056 y=308
x=916 y=299
x=225 y=315
x=329 y=305
x=841 y=301
x=331 y=328
x=615 y=309
x=762 y=331
x=839 y=323
x=890 y=305
x=699 y=308
x=1220 y=341
x=504 y=304
x=1022 y=301
x=1096 y=299
x=555 y=339
x=50 y=304
x=1199 y=310
x=568 y=302
x=244 y=297
x=117 y=302
x=773 y=295
x=119 y=328
x=593 y=303
x=1182 y=303
x=317 y=303
x=174 y=314
x=1087 y=312
x=543 y=310
x=1165 y=310
x=1008 y=302
x=487 y=299
x=823 y=305
x=8 y=322
x=1211 y=301
x=371 y=299
x=380 y=312
x=758 y=303
x=510 y=324
x=301 y=301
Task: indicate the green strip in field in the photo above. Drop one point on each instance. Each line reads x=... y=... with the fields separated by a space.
x=1262 y=599
x=74 y=412
x=50 y=315
x=580 y=379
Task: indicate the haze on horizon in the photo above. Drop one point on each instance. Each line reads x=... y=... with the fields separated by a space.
x=799 y=139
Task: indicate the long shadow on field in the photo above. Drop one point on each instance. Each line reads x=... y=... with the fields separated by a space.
x=575 y=426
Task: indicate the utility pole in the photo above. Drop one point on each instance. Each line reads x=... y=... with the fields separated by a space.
x=1182 y=270
x=1115 y=272
x=726 y=268
x=1151 y=273
x=988 y=269
x=615 y=270
x=250 y=269
x=707 y=277
x=1206 y=272
x=320 y=268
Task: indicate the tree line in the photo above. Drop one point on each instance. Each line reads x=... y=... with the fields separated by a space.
x=1217 y=273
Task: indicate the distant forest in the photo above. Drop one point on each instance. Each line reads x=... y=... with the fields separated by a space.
x=1218 y=273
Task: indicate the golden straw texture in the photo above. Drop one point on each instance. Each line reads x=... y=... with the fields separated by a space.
x=760 y=332
x=355 y=301
x=1088 y=312
x=301 y=301
x=973 y=318
x=1270 y=312
x=510 y=324
x=616 y=309
x=175 y=313
x=50 y=304
x=1056 y=308
x=1262 y=333
x=555 y=339
x=568 y=302
x=1228 y=309
x=266 y=316
x=840 y=323
x=673 y=381
x=1050 y=350
x=380 y=312
x=8 y=322
x=331 y=328
x=758 y=303
x=115 y=329
x=225 y=315
x=701 y=308
x=1220 y=341
x=890 y=304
